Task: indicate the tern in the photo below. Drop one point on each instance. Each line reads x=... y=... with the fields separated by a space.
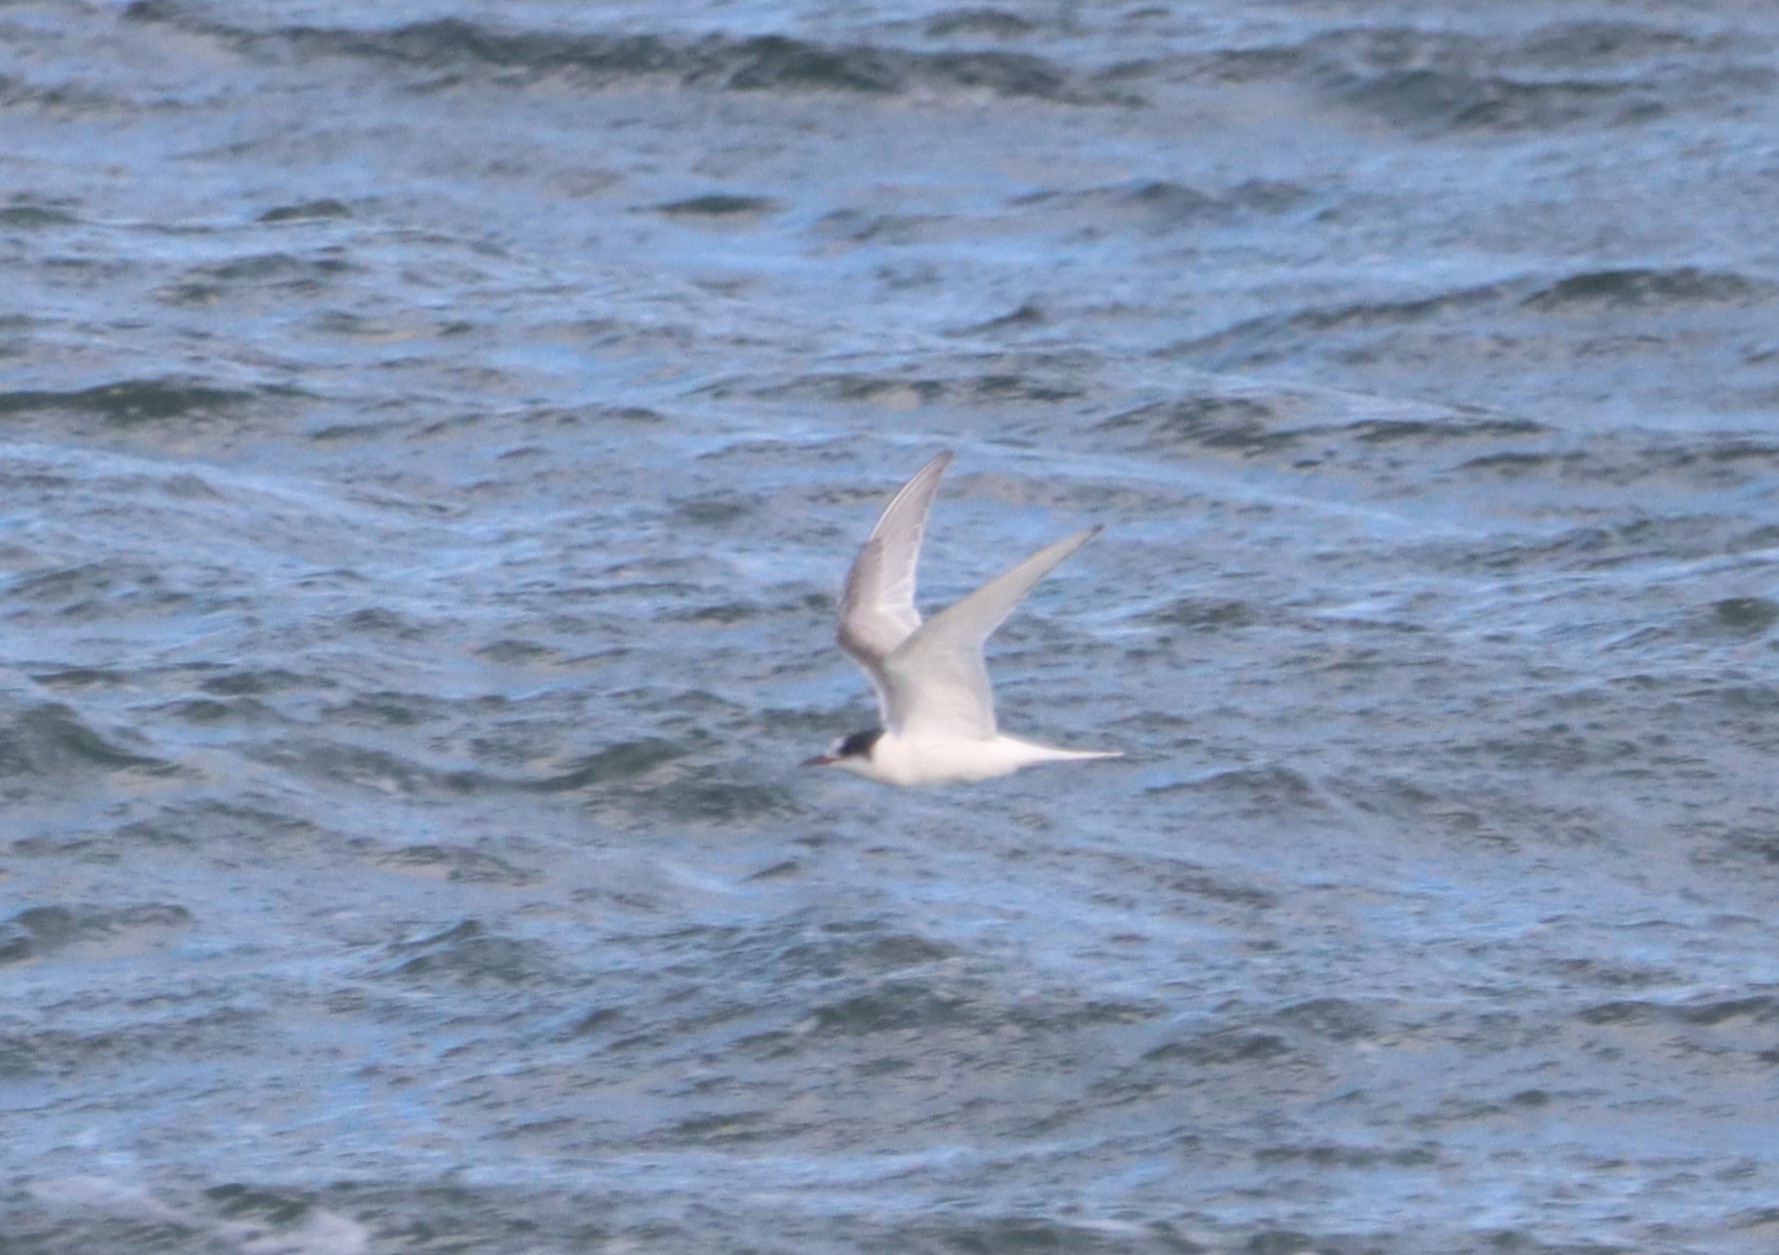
x=933 y=694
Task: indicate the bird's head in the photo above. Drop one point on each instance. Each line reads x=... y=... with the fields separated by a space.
x=849 y=751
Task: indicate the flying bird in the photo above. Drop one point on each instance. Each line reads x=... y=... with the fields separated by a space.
x=933 y=694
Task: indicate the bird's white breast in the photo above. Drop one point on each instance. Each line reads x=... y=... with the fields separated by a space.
x=951 y=760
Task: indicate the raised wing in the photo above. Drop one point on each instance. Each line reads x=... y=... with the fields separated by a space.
x=877 y=605
x=935 y=683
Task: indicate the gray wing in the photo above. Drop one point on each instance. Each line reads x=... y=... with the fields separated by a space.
x=935 y=683
x=877 y=605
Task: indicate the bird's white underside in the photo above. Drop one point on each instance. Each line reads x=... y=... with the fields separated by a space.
x=907 y=760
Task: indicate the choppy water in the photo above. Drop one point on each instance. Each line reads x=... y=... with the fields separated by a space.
x=434 y=437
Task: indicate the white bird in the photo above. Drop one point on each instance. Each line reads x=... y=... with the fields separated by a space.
x=933 y=692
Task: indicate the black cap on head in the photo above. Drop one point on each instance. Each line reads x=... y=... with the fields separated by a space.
x=859 y=744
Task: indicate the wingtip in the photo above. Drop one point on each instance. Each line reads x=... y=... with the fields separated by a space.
x=1083 y=536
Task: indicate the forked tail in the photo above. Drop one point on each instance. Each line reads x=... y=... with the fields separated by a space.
x=1035 y=753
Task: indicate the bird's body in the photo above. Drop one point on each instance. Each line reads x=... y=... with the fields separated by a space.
x=954 y=760
x=932 y=685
